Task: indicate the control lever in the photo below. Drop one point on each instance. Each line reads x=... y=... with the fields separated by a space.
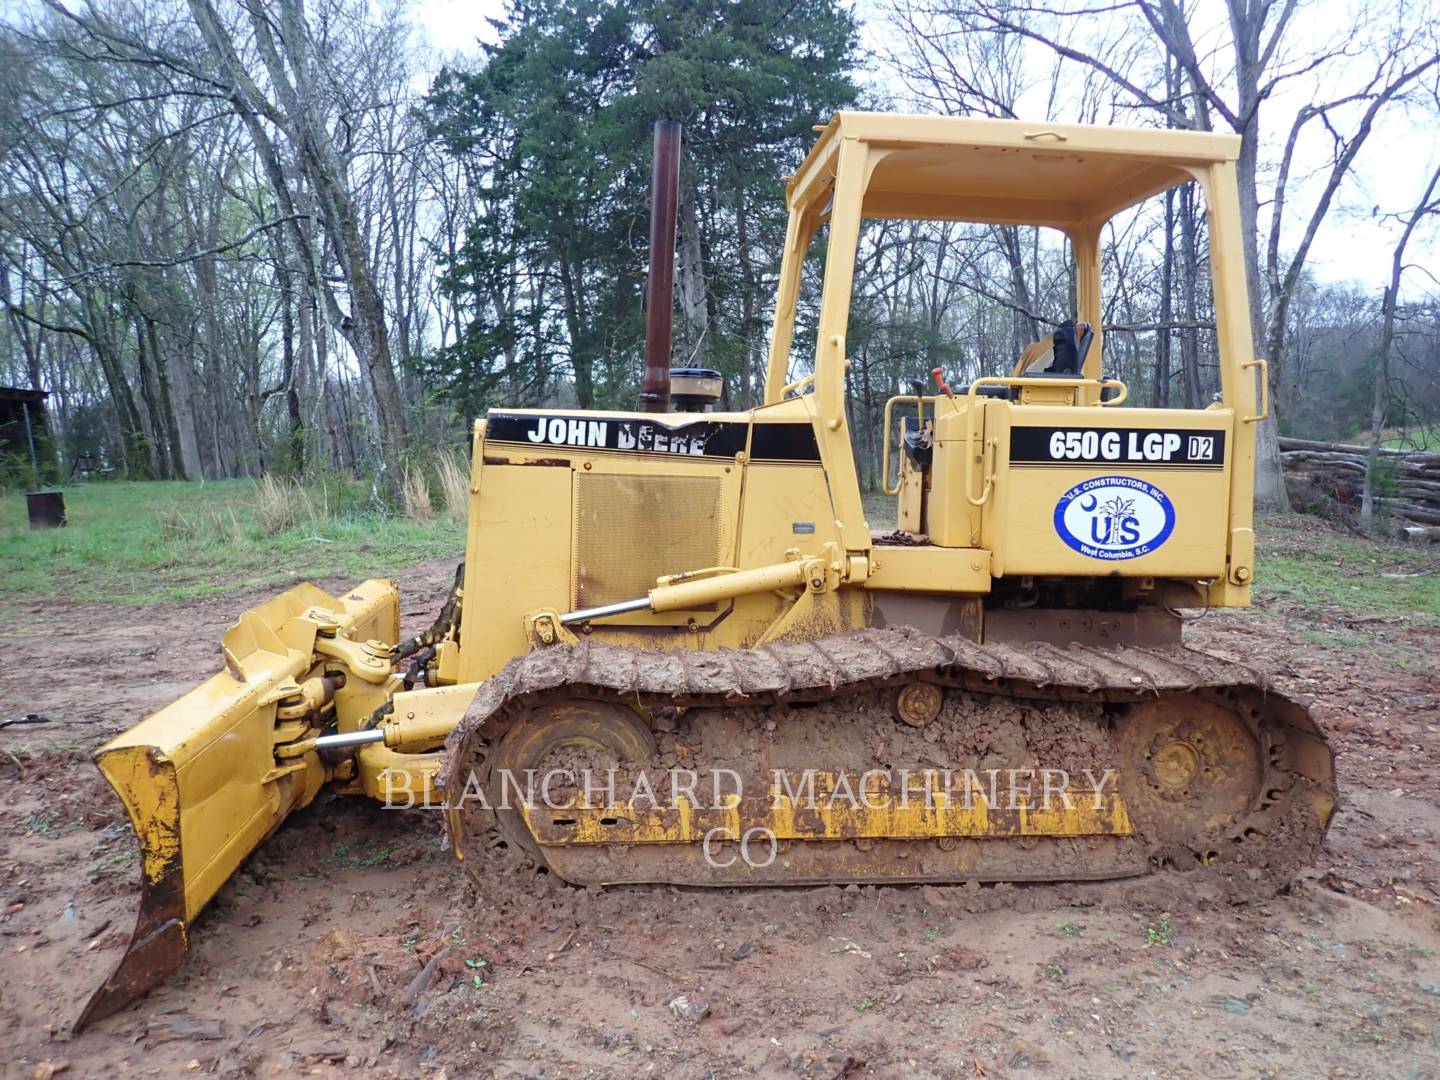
x=938 y=374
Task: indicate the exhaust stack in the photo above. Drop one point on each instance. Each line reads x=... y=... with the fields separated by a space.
x=660 y=284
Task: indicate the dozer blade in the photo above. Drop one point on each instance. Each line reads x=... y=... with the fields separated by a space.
x=200 y=779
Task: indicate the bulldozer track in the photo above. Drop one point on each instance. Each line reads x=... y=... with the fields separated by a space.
x=1169 y=701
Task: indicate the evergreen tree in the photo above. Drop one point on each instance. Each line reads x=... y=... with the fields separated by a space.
x=553 y=132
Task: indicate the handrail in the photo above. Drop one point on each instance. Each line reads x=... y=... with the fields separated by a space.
x=798 y=383
x=1259 y=362
x=970 y=461
x=987 y=459
x=919 y=401
x=795 y=386
x=1012 y=380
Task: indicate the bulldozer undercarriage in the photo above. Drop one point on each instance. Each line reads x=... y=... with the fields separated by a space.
x=887 y=756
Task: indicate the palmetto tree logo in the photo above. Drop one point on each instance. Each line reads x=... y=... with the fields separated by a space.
x=1114 y=511
x=1112 y=522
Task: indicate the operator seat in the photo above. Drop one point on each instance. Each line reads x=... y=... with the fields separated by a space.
x=1058 y=355
x=1061 y=354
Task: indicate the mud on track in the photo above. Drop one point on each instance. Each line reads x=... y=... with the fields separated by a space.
x=302 y=963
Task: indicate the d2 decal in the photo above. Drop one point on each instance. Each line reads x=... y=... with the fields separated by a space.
x=1114 y=517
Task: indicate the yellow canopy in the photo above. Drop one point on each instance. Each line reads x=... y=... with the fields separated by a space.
x=1005 y=171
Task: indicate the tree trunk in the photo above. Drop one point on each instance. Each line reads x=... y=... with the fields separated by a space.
x=1025 y=327
x=1167 y=285
x=1190 y=272
x=1380 y=403
x=1269 y=479
x=289 y=376
x=150 y=396
x=581 y=360
x=175 y=393
x=182 y=386
x=298 y=116
x=693 y=299
x=750 y=351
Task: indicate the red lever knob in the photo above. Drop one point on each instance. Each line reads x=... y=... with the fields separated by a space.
x=938 y=374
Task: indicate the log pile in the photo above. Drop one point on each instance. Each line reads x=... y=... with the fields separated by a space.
x=1408 y=486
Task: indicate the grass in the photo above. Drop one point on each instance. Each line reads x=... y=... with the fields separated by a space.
x=370 y=854
x=1418 y=439
x=152 y=542
x=1305 y=563
x=415 y=494
x=879 y=509
x=39 y=824
x=453 y=474
x=1399 y=438
x=1160 y=933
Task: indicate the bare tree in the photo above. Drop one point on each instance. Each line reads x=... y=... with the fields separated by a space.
x=1429 y=203
x=1395 y=44
x=189 y=185
x=294 y=106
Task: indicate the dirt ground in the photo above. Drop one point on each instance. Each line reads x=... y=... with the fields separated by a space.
x=300 y=964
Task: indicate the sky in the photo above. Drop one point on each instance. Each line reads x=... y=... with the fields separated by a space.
x=1355 y=242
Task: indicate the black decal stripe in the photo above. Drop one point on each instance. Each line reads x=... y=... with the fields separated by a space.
x=1133 y=466
x=788 y=442
x=784 y=442
x=556 y=452
x=598 y=432
x=1030 y=446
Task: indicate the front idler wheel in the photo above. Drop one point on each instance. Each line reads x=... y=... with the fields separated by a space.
x=552 y=737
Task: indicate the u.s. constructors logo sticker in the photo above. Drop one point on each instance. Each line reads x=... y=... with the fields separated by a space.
x=1114 y=517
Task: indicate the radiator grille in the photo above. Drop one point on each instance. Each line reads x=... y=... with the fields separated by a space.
x=629 y=530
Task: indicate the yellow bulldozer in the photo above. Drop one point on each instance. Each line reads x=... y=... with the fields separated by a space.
x=678 y=652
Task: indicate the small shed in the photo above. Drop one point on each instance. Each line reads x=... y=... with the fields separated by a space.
x=24 y=429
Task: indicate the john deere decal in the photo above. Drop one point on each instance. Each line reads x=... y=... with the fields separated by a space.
x=1114 y=517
